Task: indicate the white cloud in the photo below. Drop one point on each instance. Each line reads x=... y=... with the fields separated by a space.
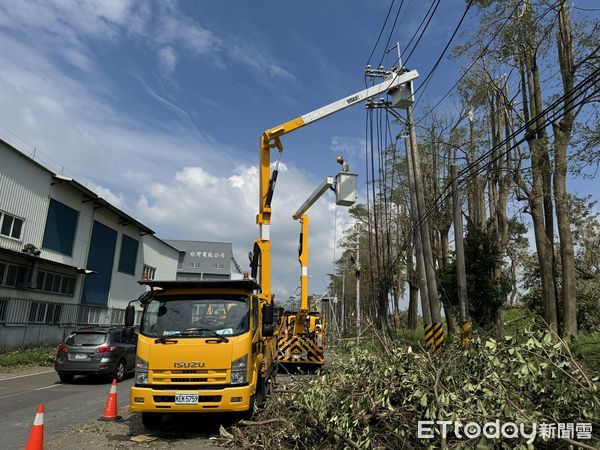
x=72 y=124
x=174 y=28
x=167 y=59
x=351 y=148
x=258 y=60
x=66 y=23
x=196 y=204
x=67 y=28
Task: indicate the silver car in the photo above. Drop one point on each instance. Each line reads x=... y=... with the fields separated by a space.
x=95 y=351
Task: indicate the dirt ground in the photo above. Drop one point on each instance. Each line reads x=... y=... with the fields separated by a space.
x=183 y=431
x=7 y=372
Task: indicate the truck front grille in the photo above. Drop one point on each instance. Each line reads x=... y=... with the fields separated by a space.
x=193 y=377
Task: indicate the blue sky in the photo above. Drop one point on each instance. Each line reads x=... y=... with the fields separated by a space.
x=159 y=105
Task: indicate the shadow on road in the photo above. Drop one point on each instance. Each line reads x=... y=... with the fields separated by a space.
x=176 y=428
x=92 y=379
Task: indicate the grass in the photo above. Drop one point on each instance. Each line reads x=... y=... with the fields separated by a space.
x=28 y=356
x=515 y=319
x=586 y=348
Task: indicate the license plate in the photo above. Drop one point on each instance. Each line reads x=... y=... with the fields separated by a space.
x=80 y=356
x=186 y=399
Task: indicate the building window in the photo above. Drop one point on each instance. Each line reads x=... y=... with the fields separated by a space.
x=129 y=248
x=10 y=225
x=60 y=228
x=11 y=275
x=148 y=273
x=180 y=260
x=44 y=312
x=55 y=283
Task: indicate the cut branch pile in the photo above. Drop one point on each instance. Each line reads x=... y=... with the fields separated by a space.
x=375 y=398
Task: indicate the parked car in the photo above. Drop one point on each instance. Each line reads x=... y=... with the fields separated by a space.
x=96 y=351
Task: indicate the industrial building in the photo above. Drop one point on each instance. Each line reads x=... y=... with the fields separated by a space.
x=200 y=260
x=67 y=256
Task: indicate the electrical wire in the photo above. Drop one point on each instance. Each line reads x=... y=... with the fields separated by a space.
x=381 y=32
x=475 y=60
x=437 y=63
x=556 y=115
x=387 y=44
x=434 y=5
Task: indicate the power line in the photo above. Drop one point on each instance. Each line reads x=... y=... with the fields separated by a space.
x=381 y=32
x=475 y=60
x=557 y=114
x=435 y=66
x=434 y=5
x=387 y=44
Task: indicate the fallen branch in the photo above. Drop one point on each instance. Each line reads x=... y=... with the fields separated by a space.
x=250 y=423
x=577 y=444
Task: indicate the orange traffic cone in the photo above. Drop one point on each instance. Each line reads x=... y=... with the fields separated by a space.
x=36 y=437
x=110 y=410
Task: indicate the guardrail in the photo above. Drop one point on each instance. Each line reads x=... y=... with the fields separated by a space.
x=17 y=311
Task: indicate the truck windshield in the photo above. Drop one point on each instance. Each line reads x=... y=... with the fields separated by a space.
x=199 y=316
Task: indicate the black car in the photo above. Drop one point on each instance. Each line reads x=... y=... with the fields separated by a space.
x=95 y=351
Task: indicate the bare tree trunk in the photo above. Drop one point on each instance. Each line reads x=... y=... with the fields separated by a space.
x=562 y=133
x=539 y=213
x=478 y=212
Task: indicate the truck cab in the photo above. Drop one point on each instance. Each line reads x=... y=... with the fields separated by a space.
x=202 y=346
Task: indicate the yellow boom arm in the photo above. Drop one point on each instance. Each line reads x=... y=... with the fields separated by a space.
x=270 y=139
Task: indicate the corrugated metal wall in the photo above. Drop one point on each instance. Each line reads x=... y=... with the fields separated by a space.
x=24 y=192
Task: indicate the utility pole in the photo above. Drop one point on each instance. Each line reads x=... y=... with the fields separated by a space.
x=358 y=288
x=343 y=302
x=461 y=272
x=434 y=335
x=425 y=309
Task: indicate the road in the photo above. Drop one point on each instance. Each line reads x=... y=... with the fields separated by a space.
x=65 y=404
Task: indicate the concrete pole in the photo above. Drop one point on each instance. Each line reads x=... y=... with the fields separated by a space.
x=461 y=272
x=358 y=288
x=461 y=275
x=425 y=309
x=343 y=303
x=432 y=291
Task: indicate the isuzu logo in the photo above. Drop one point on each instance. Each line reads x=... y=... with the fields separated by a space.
x=188 y=364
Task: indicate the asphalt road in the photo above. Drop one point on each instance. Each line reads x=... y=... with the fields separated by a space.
x=65 y=404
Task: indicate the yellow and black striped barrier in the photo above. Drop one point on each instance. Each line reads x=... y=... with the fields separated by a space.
x=434 y=335
x=465 y=335
x=300 y=349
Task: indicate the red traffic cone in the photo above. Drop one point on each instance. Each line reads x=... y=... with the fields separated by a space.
x=36 y=437
x=110 y=410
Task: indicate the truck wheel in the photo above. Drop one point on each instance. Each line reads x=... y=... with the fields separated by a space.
x=151 y=420
x=65 y=377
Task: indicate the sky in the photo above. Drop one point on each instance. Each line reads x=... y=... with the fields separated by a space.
x=158 y=106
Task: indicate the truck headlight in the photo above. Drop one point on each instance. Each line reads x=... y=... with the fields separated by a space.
x=239 y=370
x=141 y=371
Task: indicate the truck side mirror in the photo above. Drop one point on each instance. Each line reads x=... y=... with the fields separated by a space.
x=129 y=315
x=129 y=334
x=267 y=320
